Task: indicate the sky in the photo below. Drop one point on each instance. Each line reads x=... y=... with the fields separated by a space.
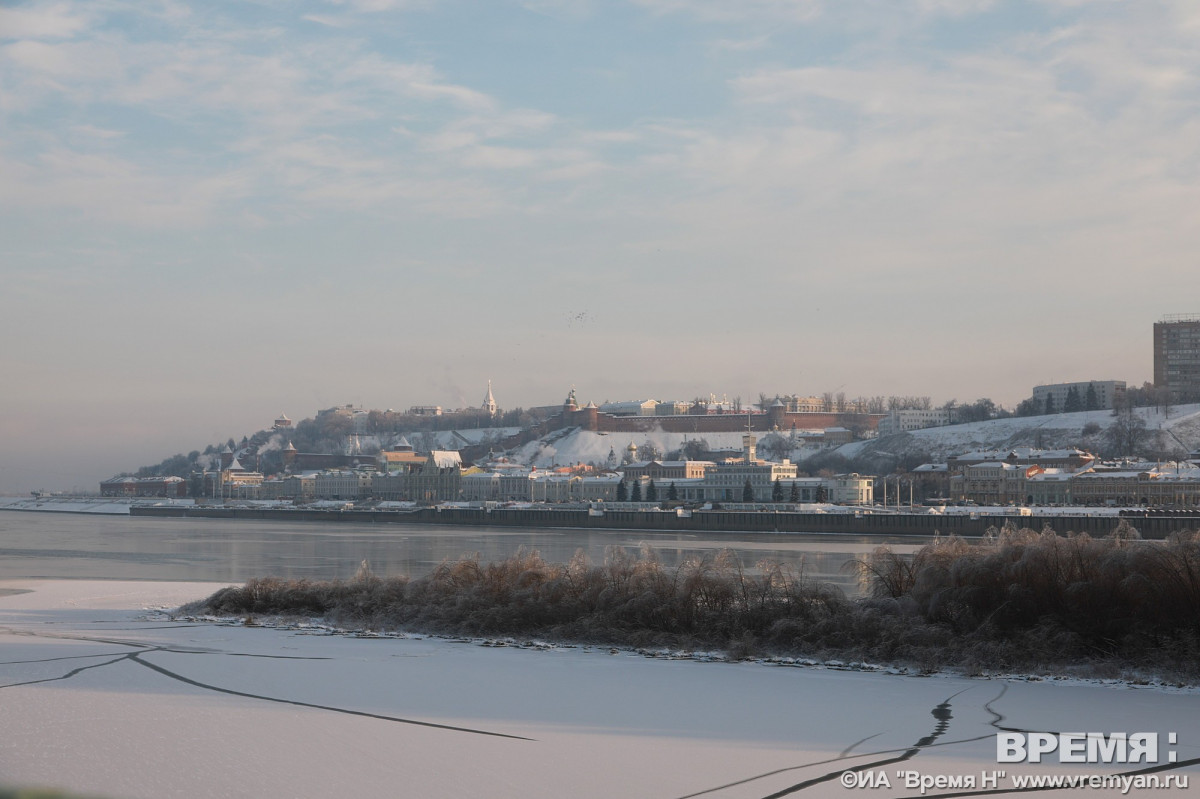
x=212 y=213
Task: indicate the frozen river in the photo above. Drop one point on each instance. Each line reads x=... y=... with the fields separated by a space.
x=114 y=697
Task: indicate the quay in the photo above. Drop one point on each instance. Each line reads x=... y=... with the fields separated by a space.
x=1150 y=524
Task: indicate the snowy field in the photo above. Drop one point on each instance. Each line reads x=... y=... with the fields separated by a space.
x=113 y=697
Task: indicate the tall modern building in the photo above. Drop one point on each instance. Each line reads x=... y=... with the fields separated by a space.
x=1177 y=355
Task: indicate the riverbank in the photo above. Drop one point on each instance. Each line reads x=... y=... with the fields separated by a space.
x=962 y=521
x=1024 y=601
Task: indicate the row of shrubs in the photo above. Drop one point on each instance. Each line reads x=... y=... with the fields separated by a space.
x=1016 y=600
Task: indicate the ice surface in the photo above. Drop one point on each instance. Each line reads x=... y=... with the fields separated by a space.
x=112 y=699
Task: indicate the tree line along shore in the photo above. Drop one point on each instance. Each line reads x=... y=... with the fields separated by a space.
x=1018 y=600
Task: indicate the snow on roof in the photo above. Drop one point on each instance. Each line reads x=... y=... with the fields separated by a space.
x=445 y=459
x=1054 y=476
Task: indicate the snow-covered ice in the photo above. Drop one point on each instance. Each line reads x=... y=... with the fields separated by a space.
x=116 y=700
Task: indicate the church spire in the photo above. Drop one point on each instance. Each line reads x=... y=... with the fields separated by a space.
x=489 y=402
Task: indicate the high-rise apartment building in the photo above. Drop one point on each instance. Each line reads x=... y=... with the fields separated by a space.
x=1177 y=356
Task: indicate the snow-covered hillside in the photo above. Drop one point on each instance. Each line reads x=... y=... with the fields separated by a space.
x=1181 y=431
x=572 y=446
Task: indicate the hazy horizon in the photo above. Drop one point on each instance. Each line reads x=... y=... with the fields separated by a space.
x=216 y=213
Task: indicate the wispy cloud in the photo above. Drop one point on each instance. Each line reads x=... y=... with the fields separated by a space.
x=742 y=45
x=327 y=20
x=42 y=21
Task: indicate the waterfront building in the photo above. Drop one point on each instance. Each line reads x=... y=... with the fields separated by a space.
x=598 y=488
x=480 y=486
x=343 y=485
x=1050 y=487
x=993 y=483
x=400 y=457
x=296 y=487
x=233 y=481
x=727 y=482
x=849 y=489
x=930 y=480
x=667 y=470
x=1070 y=459
x=1170 y=486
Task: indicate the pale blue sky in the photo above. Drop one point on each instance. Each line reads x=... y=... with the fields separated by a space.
x=214 y=212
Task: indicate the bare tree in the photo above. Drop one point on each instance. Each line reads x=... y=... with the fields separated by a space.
x=1127 y=433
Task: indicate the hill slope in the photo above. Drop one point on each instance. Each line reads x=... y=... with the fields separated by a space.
x=1180 y=433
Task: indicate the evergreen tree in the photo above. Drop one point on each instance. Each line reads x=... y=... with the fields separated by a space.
x=777 y=491
x=622 y=492
x=747 y=491
x=1090 y=401
x=636 y=494
x=822 y=494
x=651 y=492
x=672 y=492
x=795 y=495
x=1072 y=403
x=1049 y=406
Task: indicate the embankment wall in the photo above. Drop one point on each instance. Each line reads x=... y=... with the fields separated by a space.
x=1150 y=526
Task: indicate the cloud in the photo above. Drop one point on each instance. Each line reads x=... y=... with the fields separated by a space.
x=94 y=132
x=42 y=21
x=738 y=10
x=326 y=20
x=742 y=45
x=377 y=6
x=109 y=188
x=560 y=9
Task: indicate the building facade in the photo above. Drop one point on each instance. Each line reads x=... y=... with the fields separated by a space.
x=1177 y=356
x=906 y=420
x=1091 y=395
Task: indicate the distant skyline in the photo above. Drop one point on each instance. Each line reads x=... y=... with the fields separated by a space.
x=212 y=213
